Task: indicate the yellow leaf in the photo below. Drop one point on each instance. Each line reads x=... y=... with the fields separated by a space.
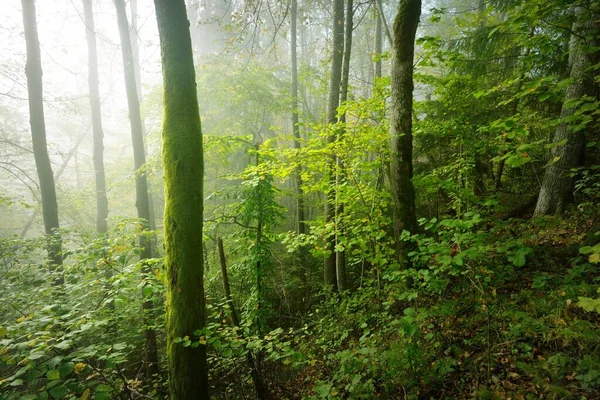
x=158 y=274
x=595 y=258
x=79 y=367
x=85 y=395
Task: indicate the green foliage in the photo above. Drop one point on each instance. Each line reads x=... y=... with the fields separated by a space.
x=76 y=340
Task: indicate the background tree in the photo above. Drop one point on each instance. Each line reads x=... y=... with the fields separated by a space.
x=337 y=56
x=301 y=216
x=98 y=134
x=141 y=182
x=33 y=71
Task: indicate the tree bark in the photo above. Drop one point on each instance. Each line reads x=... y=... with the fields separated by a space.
x=329 y=270
x=378 y=42
x=33 y=71
x=403 y=191
x=138 y=85
x=557 y=186
x=222 y=261
x=300 y=215
x=183 y=165
x=141 y=182
x=340 y=259
x=97 y=131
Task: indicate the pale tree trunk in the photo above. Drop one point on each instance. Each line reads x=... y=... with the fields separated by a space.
x=141 y=182
x=183 y=165
x=138 y=84
x=333 y=102
x=379 y=7
x=33 y=71
x=295 y=120
x=97 y=131
x=403 y=191
x=557 y=186
x=300 y=205
x=378 y=42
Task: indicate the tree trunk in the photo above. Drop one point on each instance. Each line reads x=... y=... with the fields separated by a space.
x=98 y=134
x=222 y=261
x=33 y=71
x=340 y=259
x=403 y=191
x=378 y=42
x=141 y=182
x=295 y=121
x=557 y=186
x=379 y=7
x=56 y=178
x=138 y=85
x=332 y=105
x=183 y=176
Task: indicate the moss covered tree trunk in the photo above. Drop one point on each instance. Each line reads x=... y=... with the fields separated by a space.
x=141 y=182
x=98 y=134
x=183 y=176
x=403 y=191
x=557 y=186
x=329 y=268
x=33 y=71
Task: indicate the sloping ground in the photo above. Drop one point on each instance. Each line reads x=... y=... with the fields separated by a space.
x=488 y=314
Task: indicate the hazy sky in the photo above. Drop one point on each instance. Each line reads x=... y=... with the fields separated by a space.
x=64 y=63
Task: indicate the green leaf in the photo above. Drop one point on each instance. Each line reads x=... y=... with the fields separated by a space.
x=16 y=382
x=58 y=392
x=103 y=388
x=36 y=355
x=53 y=375
x=147 y=290
x=589 y=304
x=517 y=161
x=29 y=397
x=63 y=345
x=103 y=396
x=66 y=369
x=323 y=390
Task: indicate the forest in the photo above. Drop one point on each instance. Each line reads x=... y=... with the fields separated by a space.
x=299 y=199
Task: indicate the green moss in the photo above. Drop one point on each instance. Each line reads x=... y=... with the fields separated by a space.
x=183 y=175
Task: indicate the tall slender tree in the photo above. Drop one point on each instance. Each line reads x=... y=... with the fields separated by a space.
x=403 y=51
x=98 y=134
x=340 y=259
x=33 y=71
x=134 y=34
x=333 y=103
x=378 y=41
x=300 y=215
x=141 y=182
x=183 y=175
